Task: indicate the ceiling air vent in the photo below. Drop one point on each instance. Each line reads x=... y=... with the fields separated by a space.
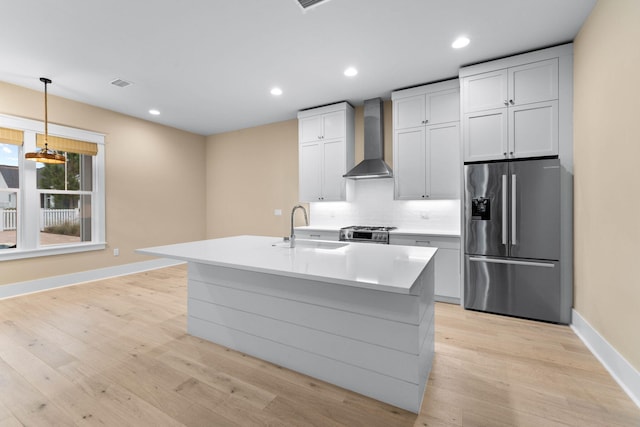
x=308 y=3
x=121 y=83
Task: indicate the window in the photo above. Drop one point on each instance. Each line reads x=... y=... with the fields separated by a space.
x=48 y=209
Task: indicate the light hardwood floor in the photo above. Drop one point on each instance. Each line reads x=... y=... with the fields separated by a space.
x=114 y=352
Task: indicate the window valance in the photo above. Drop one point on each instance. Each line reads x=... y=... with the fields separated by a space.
x=68 y=145
x=11 y=136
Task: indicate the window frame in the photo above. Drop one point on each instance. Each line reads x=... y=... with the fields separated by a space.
x=28 y=233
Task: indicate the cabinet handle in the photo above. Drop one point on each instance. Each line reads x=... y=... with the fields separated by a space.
x=511 y=153
x=504 y=154
x=505 y=102
x=511 y=102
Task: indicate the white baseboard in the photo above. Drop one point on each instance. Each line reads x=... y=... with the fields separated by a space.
x=38 y=285
x=622 y=371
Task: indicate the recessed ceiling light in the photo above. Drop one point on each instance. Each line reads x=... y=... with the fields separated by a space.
x=460 y=42
x=276 y=91
x=154 y=112
x=350 y=72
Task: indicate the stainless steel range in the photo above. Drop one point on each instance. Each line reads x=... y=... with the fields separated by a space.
x=368 y=234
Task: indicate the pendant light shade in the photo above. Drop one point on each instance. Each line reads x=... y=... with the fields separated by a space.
x=45 y=155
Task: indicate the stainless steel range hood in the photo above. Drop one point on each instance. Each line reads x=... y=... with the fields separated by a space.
x=373 y=165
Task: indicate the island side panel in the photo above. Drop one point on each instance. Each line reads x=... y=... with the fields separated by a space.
x=376 y=343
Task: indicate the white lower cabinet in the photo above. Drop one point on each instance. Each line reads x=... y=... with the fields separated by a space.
x=447 y=274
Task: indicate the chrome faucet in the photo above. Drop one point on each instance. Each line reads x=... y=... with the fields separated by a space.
x=292 y=237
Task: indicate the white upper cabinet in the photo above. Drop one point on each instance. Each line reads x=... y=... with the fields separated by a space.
x=410 y=111
x=325 y=151
x=510 y=112
x=426 y=105
x=322 y=126
x=426 y=142
x=485 y=91
x=525 y=84
x=531 y=83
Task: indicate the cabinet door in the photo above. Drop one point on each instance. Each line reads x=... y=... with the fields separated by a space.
x=310 y=128
x=443 y=142
x=409 y=164
x=409 y=112
x=310 y=170
x=485 y=135
x=443 y=106
x=334 y=165
x=535 y=82
x=485 y=91
x=447 y=274
x=447 y=263
x=533 y=130
x=333 y=125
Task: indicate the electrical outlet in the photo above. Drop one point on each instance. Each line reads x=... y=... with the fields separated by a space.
x=116 y=251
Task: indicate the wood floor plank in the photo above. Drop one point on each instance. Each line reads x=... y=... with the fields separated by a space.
x=116 y=352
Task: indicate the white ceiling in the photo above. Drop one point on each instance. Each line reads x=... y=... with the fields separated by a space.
x=208 y=65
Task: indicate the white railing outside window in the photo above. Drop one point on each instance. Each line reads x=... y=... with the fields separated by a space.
x=8 y=219
x=53 y=217
x=48 y=218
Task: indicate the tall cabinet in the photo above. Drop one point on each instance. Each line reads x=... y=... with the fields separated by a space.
x=510 y=111
x=326 y=151
x=426 y=141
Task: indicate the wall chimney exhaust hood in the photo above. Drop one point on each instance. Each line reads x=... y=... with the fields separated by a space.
x=373 y=165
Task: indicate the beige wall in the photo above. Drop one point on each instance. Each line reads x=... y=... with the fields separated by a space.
x=155 y=187
x=250 y=173
x=607 y=151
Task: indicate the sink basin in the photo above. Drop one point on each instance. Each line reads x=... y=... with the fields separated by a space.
x=312 y=244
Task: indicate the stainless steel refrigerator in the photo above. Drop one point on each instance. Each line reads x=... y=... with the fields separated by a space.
x=512 y=239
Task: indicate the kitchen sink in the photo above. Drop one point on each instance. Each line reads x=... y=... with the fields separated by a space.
x=311 y=244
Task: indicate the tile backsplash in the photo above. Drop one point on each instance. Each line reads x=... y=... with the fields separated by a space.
x=370 y=202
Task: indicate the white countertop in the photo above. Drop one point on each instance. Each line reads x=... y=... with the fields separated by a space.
x=386 y=268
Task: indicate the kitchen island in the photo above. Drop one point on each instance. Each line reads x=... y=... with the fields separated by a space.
x=356 y=315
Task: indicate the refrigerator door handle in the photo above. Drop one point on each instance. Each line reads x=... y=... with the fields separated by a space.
x=513 y=262
x=513 y=210
x=504 y=209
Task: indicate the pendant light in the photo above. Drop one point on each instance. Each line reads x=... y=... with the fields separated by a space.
x=45 y=155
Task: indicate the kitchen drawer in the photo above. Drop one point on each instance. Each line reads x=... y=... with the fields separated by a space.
x=425 y=240
x=318 y=234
